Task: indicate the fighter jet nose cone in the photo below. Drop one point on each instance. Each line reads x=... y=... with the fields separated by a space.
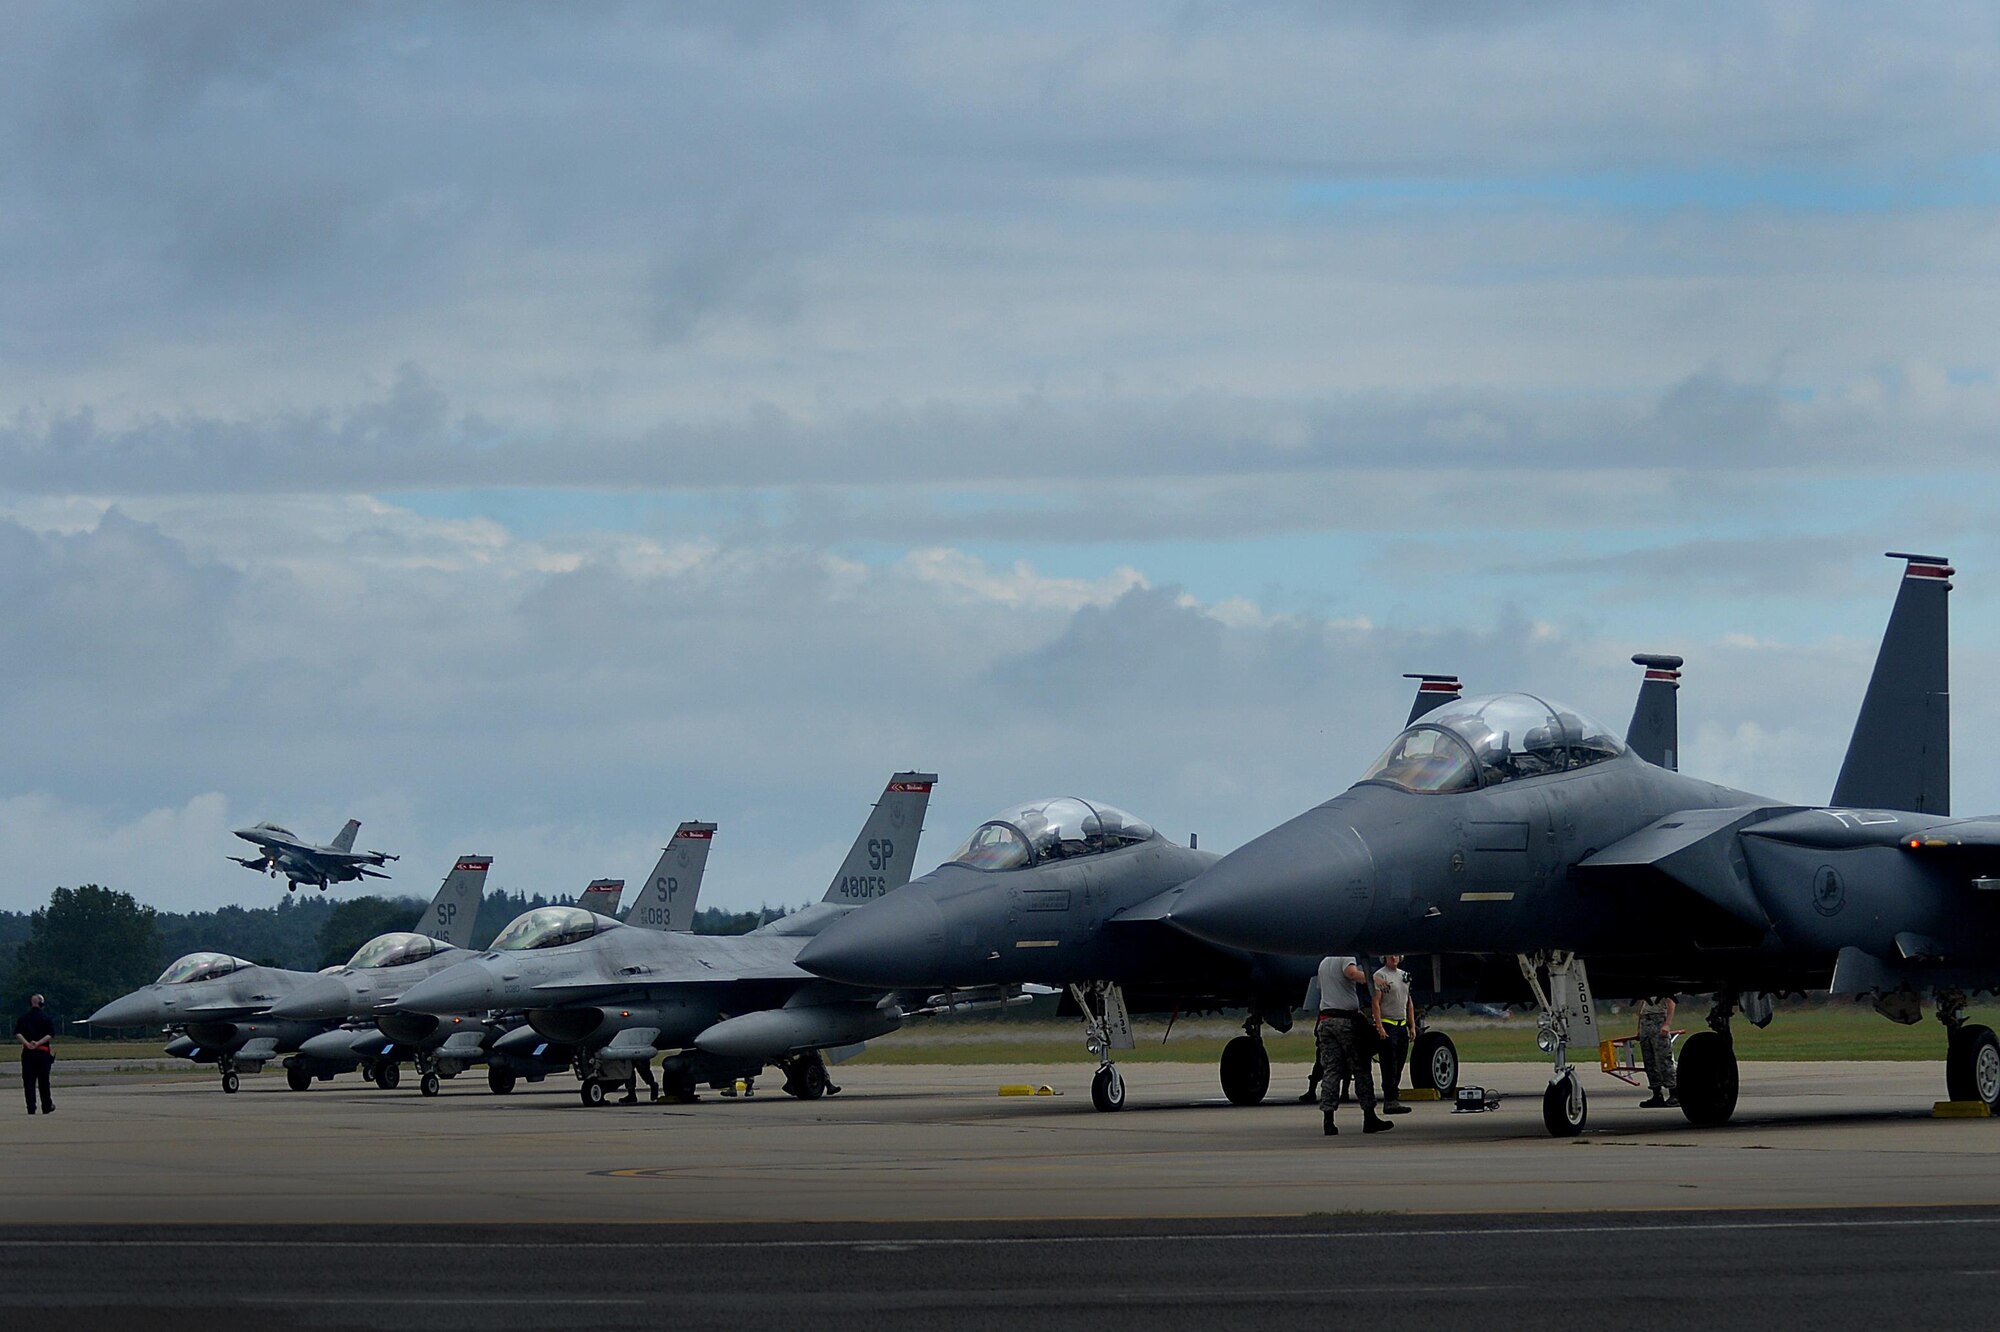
x=132 y=1010
x=326 y=997
x=465 y=988
x=898 y=941
x=1305 y=887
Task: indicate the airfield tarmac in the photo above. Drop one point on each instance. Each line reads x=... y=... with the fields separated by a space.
x=921 y=1199
x=931 y=1144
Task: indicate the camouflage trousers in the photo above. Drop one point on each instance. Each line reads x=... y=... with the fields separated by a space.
x=1342 y=1056
x=1657 y=1049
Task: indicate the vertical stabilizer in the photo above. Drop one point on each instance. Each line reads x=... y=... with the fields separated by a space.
x=1655 y=732
x=1900 y=756
x=601 y=896
x=344 y=839
x=886 y=851
x=1433 y=691
x=452 y=913
x=667 y=899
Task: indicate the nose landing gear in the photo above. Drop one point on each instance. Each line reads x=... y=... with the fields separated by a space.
x=1568 y=1015
x=1106 y=1027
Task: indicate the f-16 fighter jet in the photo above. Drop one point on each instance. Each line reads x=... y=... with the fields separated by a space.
x=302 y=862
x=722 y=1007
x=365 y=992
x=1510 y=825
x=225 y=1007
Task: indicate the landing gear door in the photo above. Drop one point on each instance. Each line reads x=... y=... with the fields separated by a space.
x=1117 y=1021
x=1570 y=997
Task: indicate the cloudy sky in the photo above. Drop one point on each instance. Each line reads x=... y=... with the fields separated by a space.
x=524 y=427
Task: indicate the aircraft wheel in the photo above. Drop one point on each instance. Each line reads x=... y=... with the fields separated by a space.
x=592 y=1092
x=1972 y=1066
x=810 y=1082
x=1246 y=1071
x=1107 y=1089
x=1564 y=1108
x=1434 y=1064
x=500 y=1081
x=388 y=1075
x=677 y=1083
x=230 y=1082
x=368 y=1072
x=1705 y=1078
x=298 y=1079
x=428 y=1084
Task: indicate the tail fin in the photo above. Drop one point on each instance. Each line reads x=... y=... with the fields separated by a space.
x=667 y=900
x=344 y=839
x=886 y=851
x=602 y=896
x=452 y=913
x=1900 y=755
x=1433 y=691
x=1655 y=732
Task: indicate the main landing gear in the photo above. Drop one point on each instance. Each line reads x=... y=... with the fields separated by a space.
x=499 y=1080
x=806 y=1077
x=1106 y=1027
x=1972 y=1054
x=1705 y=1072
x=1434 y=1063
x=230 y=1080
x=1246 y=1065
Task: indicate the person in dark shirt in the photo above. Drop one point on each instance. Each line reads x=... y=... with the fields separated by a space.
x=35 y=1033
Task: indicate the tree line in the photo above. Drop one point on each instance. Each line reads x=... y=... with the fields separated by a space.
x=91 y=944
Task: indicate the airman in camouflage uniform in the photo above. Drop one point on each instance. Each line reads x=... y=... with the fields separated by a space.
x=1656 y=1047
x=1345 y=1035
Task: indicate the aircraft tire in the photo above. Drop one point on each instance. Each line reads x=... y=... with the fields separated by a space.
x=388 y=1075
x=809 y=1083
x=1706 y=1079
x=592 y=1092
x=368 y=1072
x=499 y=1081
x=1972 y=1066
x=298 y=1079
x=428 y=1084
x=677 y=1083
x=1565 y=1110
x=1434 y=1064
x=1107 y=1089
x=230 y=1082
x=1246 y=1071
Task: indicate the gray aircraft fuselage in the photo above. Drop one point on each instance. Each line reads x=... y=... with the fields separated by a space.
x=222 y=1013
x=1654 y=876
x=960 y=927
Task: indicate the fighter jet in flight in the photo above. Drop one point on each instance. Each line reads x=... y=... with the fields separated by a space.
x=719 y=1007
x=225 y=1007
x=1509 y=825
x=302 y=862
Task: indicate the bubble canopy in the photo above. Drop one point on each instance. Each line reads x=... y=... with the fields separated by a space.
x=550 y=927
x=393 y=950
x=1489 y=739
x=1053 y=829
x=200 y=967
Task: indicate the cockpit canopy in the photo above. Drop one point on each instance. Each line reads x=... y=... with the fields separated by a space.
x=274 y=828
x=1044 y=830
x=551 y=927
x=394 y=950
x=1490 y=739
x=200 y=967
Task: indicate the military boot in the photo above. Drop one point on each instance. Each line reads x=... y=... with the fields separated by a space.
x=1655 y=1101
x=1376 y=1124
x=1326 y=1124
